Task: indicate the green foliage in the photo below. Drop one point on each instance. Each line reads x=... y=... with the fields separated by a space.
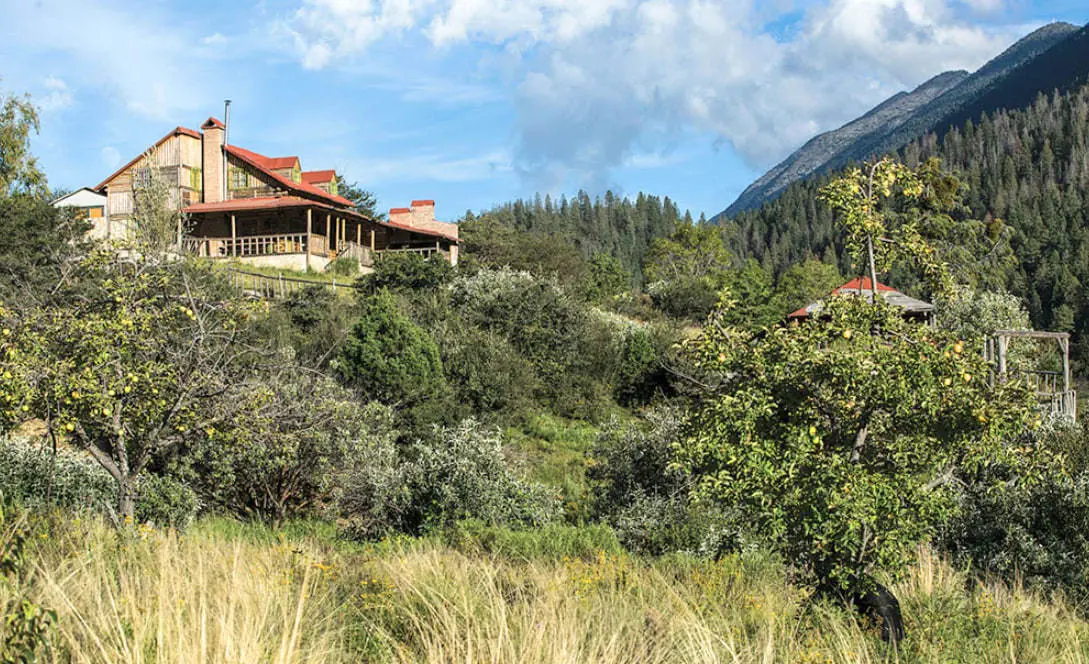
x=408 y=271
x=1023 y=219
x=312 y=321
x=35 y=477
x=839 y=438
x=641 y=375
x=488 y=376
x=19 y=172
x=388 y=357
x=283 y=448
x=461 y=473
x=804 y=283
x=344 y=266
x=41 y=240
x=27 y=626
x=637 y=490
x=687 y=270
x=489 y=243
x=974 y=314
x=568 y=348
x=32 y=475
x=607 y=279
x=365 y=202
x=165 y=501
x=553 y=238
x=122 y=367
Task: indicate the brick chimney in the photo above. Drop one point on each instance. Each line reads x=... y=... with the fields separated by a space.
x=211 y=142
x=401 y=216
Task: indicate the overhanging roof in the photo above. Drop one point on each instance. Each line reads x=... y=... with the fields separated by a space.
x=863 y=287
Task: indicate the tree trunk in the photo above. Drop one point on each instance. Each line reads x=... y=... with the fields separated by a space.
x=873 y=268
x=126 y=499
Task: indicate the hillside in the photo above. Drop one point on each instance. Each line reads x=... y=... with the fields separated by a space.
x=946 y=99
x=1029 y=168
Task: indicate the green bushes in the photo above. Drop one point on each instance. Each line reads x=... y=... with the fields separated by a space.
x=460 y=473
x=388 y=357
x=33 y=476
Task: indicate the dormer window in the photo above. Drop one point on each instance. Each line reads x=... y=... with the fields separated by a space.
x=333 y=187
x=296 y=175
x=239 y=178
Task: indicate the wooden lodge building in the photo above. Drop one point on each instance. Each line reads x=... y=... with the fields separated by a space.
x=265 y=210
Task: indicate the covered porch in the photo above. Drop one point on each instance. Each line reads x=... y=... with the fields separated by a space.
x=298 y=234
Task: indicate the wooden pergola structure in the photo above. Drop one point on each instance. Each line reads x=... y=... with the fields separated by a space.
x=1054 y=389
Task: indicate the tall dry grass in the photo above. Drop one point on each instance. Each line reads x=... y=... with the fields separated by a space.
x=222 y=596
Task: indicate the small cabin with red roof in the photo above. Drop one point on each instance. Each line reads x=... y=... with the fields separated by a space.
x=265 y=210
x=862 y=287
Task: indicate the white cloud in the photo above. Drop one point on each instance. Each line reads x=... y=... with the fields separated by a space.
x=57 y=95
x=600 y=83
x=143 y=59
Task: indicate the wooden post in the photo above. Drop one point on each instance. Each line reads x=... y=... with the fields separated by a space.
x=1003 y=345
x=359 y=234
x=234 y=238
x=328 y=240
x=309 y=234
x=372 y=240
x=280 y=279
x=1065 y=344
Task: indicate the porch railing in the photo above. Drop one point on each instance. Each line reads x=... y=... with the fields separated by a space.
x=255 y=245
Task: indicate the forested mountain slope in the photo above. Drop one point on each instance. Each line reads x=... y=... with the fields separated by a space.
x=1052 y=57
x=614 y=225
x=1028 y=168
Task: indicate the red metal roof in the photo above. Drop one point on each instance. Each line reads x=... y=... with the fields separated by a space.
x=864 y=285
x=177 y=130
x=260 y=162
x=422 y=231
x=315 y=177
x=280 y=163
x=263 y=203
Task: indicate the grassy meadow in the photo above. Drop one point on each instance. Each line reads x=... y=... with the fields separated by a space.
x=225 y=592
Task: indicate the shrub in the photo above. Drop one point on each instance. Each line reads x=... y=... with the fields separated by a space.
x=387 y=356
x=641 y=375
x=461 y=474
x=344 y=266
x=569 y=349
x=283 y=450
x=165 y=501
x=33 y=476
x=407 y=271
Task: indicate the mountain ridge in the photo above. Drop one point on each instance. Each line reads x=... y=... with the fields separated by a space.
x=933 y=105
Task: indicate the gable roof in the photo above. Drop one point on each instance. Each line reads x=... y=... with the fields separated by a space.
x=281 y=163
x=262 y=164
x=316 y=177
x=178 y=131
x=864 y=288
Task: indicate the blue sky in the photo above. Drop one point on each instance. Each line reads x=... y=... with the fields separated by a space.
x=475 y=102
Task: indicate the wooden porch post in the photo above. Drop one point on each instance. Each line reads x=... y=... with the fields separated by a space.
x=1065 y=343
x=234 y=238
x=359 y=234
x=309 y=234
x=1003 y=343
x=372 y=240
x=328 y=240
